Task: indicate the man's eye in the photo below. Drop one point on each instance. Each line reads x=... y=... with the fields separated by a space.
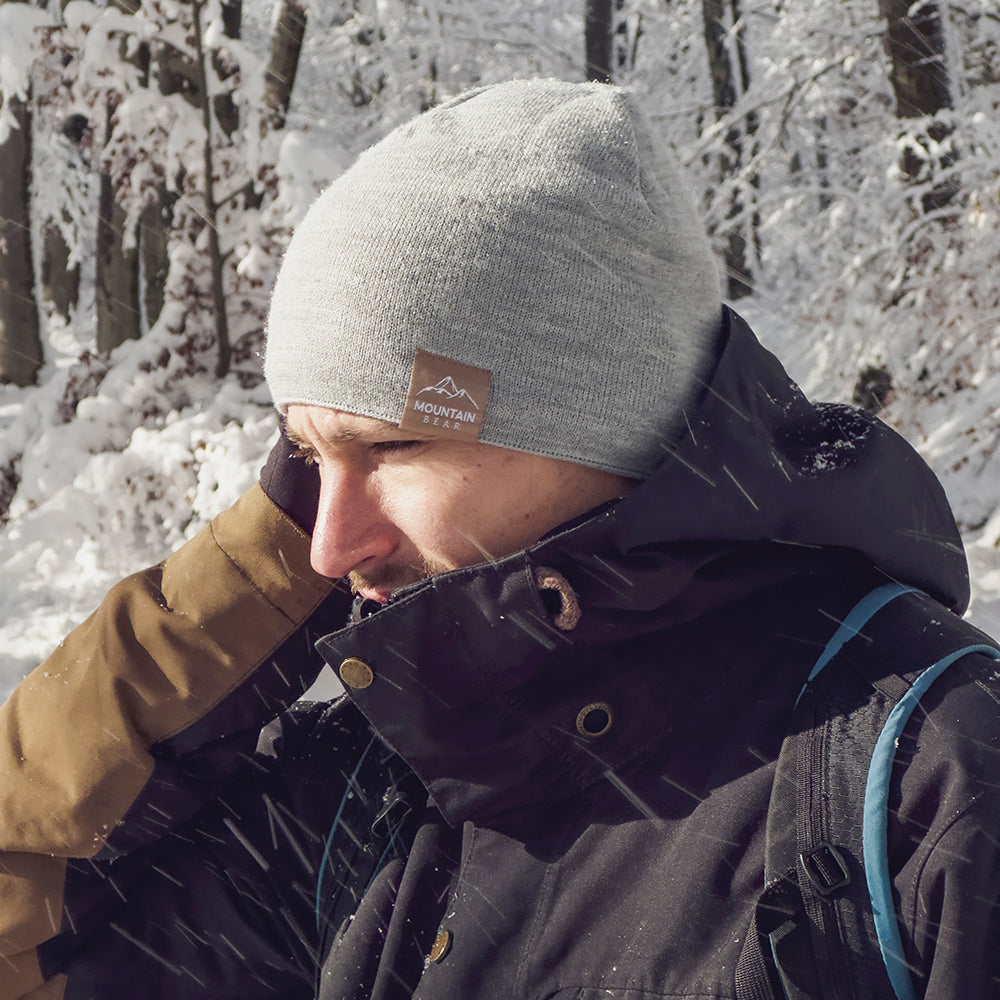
x=394 y=447
x=306 y=454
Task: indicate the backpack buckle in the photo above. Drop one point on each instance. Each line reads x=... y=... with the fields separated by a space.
x=826 y=867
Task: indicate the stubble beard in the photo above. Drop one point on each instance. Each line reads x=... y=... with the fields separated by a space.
x=392 y=576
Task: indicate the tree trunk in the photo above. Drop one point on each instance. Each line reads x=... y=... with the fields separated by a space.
x=175 y=73
x=627 y=30
x=60 y=282
x=915 y=44
x=283 y=60
x=119 y=315
x=20 y=340
x=211 y=208
x=823 y=163
x=155 y=227
x=284 y=50
x=919 y=78
x=719 y=64
x=117 y=292
x=226 y=113
x=597 y=38
x=731 y=77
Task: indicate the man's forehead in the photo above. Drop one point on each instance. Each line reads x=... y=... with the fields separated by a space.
x=302 y=421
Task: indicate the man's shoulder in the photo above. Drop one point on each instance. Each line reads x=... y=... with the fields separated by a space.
x=913 y=729
x=948 y=753
x=891 y=770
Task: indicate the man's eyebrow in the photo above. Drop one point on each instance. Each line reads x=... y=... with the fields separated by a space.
x=296 y=439
x=291 y=435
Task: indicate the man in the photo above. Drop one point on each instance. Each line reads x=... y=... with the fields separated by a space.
x=597 y=542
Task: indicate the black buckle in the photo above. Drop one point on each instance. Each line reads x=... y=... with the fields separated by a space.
x=826 y=867
x=390 y=817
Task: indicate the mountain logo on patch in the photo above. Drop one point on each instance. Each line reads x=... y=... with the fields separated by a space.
x=448 y=388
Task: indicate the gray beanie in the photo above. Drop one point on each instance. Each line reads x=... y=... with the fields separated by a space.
x=521 y=266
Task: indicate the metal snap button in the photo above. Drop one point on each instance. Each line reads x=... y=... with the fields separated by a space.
x=594 y=719
x=441 y=946
x=356 y=673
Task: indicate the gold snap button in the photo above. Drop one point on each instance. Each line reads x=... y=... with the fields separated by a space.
x=594 y=719
x=441 y=946
x=356 y=673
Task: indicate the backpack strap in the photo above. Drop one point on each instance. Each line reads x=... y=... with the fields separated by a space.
x=375 y=821
x=825 y=924
x=856 y=619
x=875 y=828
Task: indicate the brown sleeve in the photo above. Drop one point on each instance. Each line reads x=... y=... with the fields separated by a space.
x=163 y=650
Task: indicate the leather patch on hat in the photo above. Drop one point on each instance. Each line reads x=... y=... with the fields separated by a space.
x=446 y=398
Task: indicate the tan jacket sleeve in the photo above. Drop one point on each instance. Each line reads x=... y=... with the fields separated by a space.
x=165 y=648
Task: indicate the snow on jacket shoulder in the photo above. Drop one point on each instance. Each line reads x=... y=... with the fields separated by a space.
x=120 y=714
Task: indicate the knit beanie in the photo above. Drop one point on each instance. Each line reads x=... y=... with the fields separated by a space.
x=521 y=266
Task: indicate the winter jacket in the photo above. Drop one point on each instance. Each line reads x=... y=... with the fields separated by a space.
x=551 y=773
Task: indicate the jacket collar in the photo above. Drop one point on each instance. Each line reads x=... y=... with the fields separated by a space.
x=479 y=690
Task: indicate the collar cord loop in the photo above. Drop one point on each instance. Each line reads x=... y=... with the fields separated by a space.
x=551 y=581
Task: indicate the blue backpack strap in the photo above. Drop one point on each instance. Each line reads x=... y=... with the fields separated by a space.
x=875 y=835
x=853 y=623
x=375 y=820
x=325 y=866
x=826 y=919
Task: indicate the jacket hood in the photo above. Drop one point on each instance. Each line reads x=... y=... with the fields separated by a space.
x=759 y=462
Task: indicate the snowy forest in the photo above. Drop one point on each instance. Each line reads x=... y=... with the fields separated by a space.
x=155 y=156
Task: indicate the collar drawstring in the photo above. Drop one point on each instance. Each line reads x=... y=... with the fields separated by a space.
x=551 y=580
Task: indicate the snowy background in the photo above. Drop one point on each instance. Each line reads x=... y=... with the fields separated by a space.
x=108 y=463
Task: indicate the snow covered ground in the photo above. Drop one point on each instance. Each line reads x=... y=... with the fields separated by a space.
x=110 y=492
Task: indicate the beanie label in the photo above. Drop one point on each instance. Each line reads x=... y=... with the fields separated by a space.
x=446 y=398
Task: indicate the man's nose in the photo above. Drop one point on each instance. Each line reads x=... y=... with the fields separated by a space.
x=350 y=524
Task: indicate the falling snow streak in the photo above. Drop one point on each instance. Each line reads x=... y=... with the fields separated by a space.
x=676 y=455
x=248 y=847
x=681 y=788
x=750 y=499
x=690 y=429
x=274 y=818
x=632 y=796
x=780 y=464
x=143 y=947
x=722 y=399
x=602 y=579
x=612 y=570
x=166 y=875
x=540 y=637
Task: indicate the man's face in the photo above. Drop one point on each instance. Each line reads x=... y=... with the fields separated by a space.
x=397 y=506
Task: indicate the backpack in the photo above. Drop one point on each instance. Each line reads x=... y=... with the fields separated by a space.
x=825 y=925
